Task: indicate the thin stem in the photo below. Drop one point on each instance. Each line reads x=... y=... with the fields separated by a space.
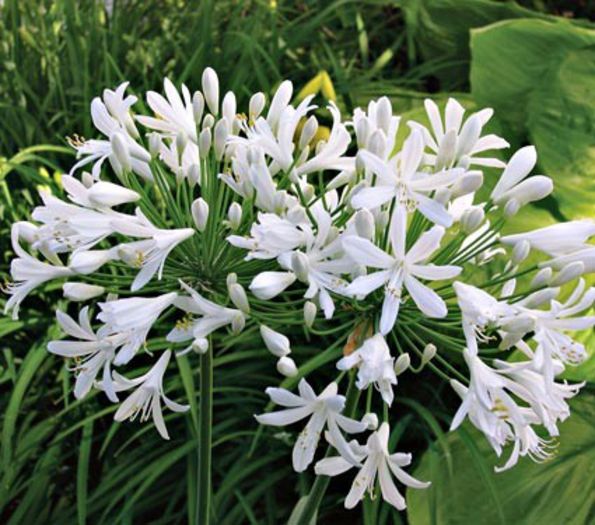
x=203 y=508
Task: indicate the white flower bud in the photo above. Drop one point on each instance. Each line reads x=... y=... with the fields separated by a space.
x=256 y=105
x=377 y=143
x=194 y=174
x=442 y=196
x=362 y=132
x=276 y=343
x=308 y=192
x=181 y=143
x=121 y=151
x=428 y=354
x=106 y=194
x=310 y=311
x=208 y=122
x=344 y=177
x=200 y=345
x=210 y=88
x=308 y=131
x=384 y=112
x=229 y=107
x=472 y=219
x=90 y=261
x=231 y=278
x=234 y=215
x=198 y=106
x=204 y=143
x=471 y=181
x=81 y=291
x=238 y=323
x=364 y=223
x=403 y=362
x=512 y=207
x=540 y=297
x=221 y=134
x=238 y=297
x=371 y=420
x=360 y=165
x=542 y=278
x=520 y=251
x=568 y=273
x=154 y=144
x=300 y=265
x=200 y=213
x=87 y=179
x=267 y=285
x=286 y=367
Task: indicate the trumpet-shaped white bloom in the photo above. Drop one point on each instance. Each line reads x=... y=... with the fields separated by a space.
x=323 y=410
x=379 y=463
x=27 y=274
x=211 y=318
x=133 y=318
x=400 y=270
x=146 y=399
x=375 y=366
x=457 y=143
x=400 y=178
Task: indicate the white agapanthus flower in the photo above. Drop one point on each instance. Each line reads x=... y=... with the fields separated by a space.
x=254 y=226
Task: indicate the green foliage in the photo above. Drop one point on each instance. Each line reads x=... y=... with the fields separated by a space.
x=561 y=490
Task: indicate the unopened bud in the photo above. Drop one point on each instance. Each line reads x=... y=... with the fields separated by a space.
x=120 y=150
x=364 y=223
x=542 y=278
x=308 y=131
x=200 y=345
x=428 y=354
x=181 y=142
x=371 y=420
x=511 y=208
x=234 y=215
x=276 y=343
x=204 y=143
x=229 y=108
x=200 y=213
x=256 y=105
x=377 y=143
x=221 y=134
x=310 y=311
x=238 y=297
x=210 y=88
x=194 y=174
x=238 y=323
x=208 y=122
x=403 y=362
x=520 y=251
x=231 y=278
x=286 y=367
x=154 y=144
x=81 y=291
x=198 y=106
x=570 y=272
x=472 y=219
x=300 y=265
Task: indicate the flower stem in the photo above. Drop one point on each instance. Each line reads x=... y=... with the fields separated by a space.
x=203 y=508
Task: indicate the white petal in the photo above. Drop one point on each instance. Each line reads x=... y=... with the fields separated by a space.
x=364 y=252
x=390 y=494
x=433 y=272
x=366 y=284
x=426 y=245
x=284 y=417
x=426 y=299
x=285 y=398
x=305 y=446
x=332 y=466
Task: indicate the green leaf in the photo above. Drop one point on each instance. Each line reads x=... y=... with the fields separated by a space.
x=561 y=490
x=539 y=77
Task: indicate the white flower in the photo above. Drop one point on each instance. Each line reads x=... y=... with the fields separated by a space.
x=276 y=342
x=377 y=462
x=28 y=273
x=81 y=291
x=376 y=129
x=147 y=397
x=323 y=409
x=212 y=317
x=96 y=350
x=375 y=365
x=175 y=114
x=400 y=177
x=134 y=317
x=455 y=143
x=512 y=185
x=400 y=270
x=150 y=254
x=267 y=285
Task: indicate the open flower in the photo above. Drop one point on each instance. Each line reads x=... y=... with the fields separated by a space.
x=400 y=270
x=323 y=410
x=377 y=462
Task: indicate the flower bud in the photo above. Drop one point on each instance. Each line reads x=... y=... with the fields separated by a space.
x=542 y=278
x=512 y=207
x=231 y=278
x=286 y=367
x=194 y=174
x=471 y=181
x=403 y=362
x=200 y=345
x=238 y=323
x=238 y=297
x=364 y=223
x=256 y=105
x=234 y=215
x=121 y=151
x=442 y=196
x=568 y=273
x=300 y=265
x=428 y=354
x=520 y=251
x=360 y=165
x=540 y=297
x=472 y=219
x=154 y=144
x=362 y=132
x=181 y=143
x=90 y=261
x=310 y=311
x=308 y=131
x=384 y=112
x=210 y=88
x=208 y=122
x=106 y=194
x=371 y=420
x=221 y=134
x=81 y=291
x=267 y=285
x=200 y=213
x=276 y=343
x=377 y=143
x=198 y=106
x=204 y=143
x=229 y=107
x=308 y=192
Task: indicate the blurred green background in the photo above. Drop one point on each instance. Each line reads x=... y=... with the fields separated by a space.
x=64 y=462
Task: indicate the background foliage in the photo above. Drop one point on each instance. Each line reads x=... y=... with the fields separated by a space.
x=63 y=461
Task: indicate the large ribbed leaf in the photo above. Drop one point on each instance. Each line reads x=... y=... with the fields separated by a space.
x=561 y=490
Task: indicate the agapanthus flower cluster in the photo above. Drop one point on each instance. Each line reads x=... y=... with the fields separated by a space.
x=204 y=218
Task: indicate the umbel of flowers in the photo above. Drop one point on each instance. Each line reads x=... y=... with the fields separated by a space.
x=223 y=214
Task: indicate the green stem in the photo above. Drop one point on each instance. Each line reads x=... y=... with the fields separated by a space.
x=203 y=509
